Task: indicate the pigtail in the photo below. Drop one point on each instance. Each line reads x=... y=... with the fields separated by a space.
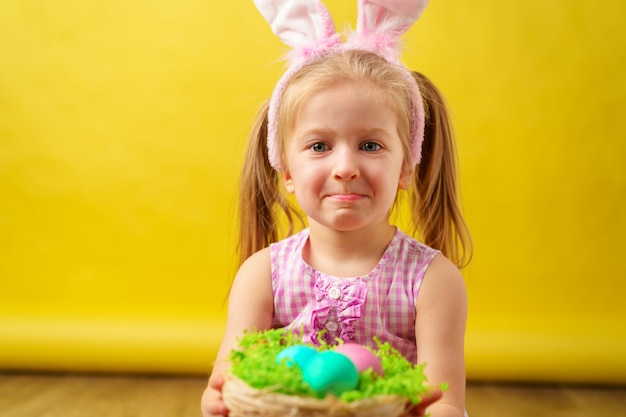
x=260 y=199
x=434 y=200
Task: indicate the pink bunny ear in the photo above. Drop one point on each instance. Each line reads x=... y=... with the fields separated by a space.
x=304 y=25
x=381 y=23
x=307 y=27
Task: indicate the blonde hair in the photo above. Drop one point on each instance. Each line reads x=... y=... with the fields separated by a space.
x=433 y=201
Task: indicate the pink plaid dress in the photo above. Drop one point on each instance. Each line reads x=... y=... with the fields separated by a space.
x=355 y=309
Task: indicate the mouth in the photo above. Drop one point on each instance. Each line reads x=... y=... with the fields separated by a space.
x=346 y=197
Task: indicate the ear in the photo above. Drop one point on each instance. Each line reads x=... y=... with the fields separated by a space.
x=381 y=23
x=406 y=177
x=299 y=24
x=288 y=181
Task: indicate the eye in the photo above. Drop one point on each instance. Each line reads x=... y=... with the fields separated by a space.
x=371 y=146
x=318 y=147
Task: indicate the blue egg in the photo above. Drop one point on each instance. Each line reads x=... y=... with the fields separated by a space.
x=299 y=355
x=330 y=372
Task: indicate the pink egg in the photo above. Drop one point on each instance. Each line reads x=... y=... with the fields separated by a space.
x=361 y=357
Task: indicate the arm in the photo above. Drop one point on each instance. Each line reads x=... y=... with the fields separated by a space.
x=441 y=314
x=250 y=306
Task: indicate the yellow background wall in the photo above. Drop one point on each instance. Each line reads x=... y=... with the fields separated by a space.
x=121 y=131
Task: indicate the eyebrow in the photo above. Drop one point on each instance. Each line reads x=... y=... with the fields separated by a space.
x=328 y=131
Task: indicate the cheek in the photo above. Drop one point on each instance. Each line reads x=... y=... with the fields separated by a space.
x=300 y=179
x=306 y=179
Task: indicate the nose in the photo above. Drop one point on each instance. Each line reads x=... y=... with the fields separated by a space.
x=345 y=167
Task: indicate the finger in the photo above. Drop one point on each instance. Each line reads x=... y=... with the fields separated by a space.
x=419 y=410
x=217 y=382
x=212 y=404
x=217 y=408
x=431 y=397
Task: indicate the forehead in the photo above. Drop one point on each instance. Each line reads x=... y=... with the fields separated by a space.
x=368 y=92
x=346 y=102
x=366 y=100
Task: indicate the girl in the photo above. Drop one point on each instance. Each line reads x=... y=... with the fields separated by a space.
x=349 y=131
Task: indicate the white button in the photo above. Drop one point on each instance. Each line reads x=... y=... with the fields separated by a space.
x=331 y=326
x=334 y=293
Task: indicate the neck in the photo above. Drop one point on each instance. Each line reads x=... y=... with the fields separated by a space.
x=347 y=253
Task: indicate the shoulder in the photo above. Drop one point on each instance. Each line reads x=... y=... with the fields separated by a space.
x=443 y=286
x=251 y=298
x=254 y=276
x=250 y=302
x=256 y=265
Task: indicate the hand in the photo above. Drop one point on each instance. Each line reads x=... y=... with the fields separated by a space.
x=212 y=404
x=419 y=410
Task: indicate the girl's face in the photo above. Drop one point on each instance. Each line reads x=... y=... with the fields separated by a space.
x=344 y=158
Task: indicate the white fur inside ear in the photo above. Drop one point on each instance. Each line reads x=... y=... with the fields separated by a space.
x=298 y=23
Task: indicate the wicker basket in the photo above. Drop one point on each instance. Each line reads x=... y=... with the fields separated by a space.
x=244 y=401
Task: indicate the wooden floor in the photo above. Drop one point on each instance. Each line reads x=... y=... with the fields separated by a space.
x=25 y=395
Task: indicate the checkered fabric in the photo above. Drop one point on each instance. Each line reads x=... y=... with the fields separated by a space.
x=354 y=309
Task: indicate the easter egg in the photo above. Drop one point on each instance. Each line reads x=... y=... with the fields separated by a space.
x=362 y=357
x=330 y=372
x=297 y=354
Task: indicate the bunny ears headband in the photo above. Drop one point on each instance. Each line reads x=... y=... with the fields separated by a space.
x=307 y=27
